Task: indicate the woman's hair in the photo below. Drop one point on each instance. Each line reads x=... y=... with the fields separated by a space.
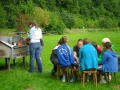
x=94 y=44
x=33 y=23
x=64 y=39
x=86 y=40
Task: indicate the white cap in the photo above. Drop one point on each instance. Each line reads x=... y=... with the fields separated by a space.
x=104 y=40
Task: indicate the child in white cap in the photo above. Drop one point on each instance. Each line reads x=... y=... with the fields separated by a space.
x=104 y=40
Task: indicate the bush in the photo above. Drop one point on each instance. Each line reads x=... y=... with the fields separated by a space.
x=79 y=23
x=41 y=17
x=90 y=23
x=67 y=18
x=60 y=27
x=106 y=23
x=55 y=24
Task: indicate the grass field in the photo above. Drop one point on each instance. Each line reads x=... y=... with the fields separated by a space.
x=19 y=79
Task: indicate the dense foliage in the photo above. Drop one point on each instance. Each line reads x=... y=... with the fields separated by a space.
x=55 y=15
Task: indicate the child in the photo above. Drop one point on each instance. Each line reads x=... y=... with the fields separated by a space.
x=65 y=57
x=109 y=61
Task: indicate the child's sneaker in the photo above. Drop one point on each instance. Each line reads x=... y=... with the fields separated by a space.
x=109 y=78
x=73 y=79
x=87 y=80
x=102 y=81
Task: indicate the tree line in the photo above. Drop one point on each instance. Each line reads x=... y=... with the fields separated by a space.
x=55 y=15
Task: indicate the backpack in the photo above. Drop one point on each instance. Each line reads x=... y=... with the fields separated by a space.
x=53 y=57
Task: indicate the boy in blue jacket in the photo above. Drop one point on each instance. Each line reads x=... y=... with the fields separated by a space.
x=65 y=57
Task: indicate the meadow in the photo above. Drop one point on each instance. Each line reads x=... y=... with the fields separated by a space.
x=19 y=79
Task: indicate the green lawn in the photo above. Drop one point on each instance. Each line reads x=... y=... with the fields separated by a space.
x=19 y=79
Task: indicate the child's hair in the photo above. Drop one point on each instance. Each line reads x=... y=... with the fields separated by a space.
x=86 y=40
x=33 y=23
x=94 y=44
x=107 y=45
x=64 y=39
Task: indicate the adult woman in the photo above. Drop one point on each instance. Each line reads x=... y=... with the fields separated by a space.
x=88 y=56
x=35 y=35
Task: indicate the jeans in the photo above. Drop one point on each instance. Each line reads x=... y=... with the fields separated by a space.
x=35 y=51
x=41 y=52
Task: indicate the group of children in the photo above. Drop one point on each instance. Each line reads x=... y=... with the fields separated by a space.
x=84 y=56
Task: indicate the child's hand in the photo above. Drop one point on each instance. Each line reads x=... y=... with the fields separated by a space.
x=78 y=62
x=28 y=33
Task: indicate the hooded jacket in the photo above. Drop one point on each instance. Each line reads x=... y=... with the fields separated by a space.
x=88 y=57
x=101 y=55
x=109 y=62
x=65 y=56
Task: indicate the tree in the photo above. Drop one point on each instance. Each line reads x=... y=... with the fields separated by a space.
x=72 y=6
x=56 y=24
x=85 y=8
x=67 y=18
x=119 y=24
x=79 y=23
x=40 y=3
x=22 y=22
x=106 y=22
x=90 y=23
x=13 y=7
x=41 y=16
x=102 y=10
x=51 y=5
x=2 y=17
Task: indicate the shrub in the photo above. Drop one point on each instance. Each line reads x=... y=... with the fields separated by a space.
x=105 y=22
x=55 y=24
x=90 y=23
x=67 y=18
x=79 y=23
x=41 y=16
